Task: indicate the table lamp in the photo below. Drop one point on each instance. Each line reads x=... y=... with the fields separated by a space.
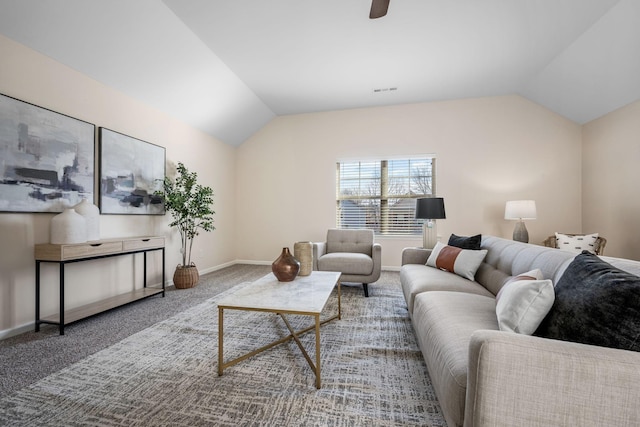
x=520 y=210
x=430 y=209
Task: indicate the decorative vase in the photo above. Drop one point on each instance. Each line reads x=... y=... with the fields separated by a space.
x=286 y=267
x=303 y=252
x=68 y=227
x=186 y=276
x=91 y=215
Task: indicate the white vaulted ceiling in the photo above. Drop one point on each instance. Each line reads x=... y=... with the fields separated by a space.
x=229 y=66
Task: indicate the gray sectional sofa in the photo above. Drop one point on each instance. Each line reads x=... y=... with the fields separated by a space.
x=486 y=377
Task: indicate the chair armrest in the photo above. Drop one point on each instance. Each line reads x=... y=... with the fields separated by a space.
x=376 y=254
x=415 y=255
x=319 y=249
x=517 y=380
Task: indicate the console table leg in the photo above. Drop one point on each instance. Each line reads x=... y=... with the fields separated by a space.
x=163 y=278
x=37 y=296
x=144 y=269
x=62 y=298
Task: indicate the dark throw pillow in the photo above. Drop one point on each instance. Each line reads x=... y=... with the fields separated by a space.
x=464 y=242
x=596 y=303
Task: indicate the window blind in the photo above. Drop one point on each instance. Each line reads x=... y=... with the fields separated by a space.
x=380 y=194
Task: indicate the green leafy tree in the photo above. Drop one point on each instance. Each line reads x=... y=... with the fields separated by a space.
x=190 y=205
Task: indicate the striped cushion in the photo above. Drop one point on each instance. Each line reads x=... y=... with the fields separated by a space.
x=463 y=262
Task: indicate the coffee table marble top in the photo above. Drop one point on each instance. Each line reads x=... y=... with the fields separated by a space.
x=305 y=294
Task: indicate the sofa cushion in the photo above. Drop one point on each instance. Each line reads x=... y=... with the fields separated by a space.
x=418 y=278
x=576 y=243
x=443 y=323
x=523 y=304
x=462 y=262
x=463 y=242
x=596 y=303
x=346 y=262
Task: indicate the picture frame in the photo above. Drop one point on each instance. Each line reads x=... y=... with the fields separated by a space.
x=47 y=158
x=131 y=171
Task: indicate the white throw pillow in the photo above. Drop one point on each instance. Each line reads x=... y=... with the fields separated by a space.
x=523 y=305
x=463 y=262
x=535 y=274
x=576 y=243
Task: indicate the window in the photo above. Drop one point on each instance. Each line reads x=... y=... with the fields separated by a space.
x=380 y=194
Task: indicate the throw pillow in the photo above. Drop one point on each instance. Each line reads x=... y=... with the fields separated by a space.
x=523 y=305
x=462 y=262
x=596 y=303
x=464 y=242
x=576 y=243
x=534 y=274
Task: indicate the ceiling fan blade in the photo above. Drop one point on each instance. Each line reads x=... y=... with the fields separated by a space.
x=378 y=8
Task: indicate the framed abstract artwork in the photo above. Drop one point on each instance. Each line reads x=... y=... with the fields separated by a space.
x=131 y=171
x=46 y=158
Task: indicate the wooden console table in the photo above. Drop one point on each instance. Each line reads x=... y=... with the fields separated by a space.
x=68 y=253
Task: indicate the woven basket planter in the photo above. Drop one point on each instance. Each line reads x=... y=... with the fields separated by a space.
x=186 y=276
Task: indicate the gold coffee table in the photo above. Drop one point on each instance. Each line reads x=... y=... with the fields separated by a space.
x=306 y=295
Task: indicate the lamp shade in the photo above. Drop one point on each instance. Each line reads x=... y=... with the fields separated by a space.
x=520 y=209
x=430 y=208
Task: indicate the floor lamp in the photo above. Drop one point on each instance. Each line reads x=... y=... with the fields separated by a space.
x=520 y=210
x=430 y=209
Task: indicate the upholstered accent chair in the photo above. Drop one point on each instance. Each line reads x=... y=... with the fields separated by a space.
x=598 y=245
x=351 y=252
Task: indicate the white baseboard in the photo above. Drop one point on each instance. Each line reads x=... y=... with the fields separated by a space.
x=216 y=268
x=8 y=333
x=252 y=262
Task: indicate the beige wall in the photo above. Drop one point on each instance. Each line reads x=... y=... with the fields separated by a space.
x=279 y=186
x=488 y=151
x=29 y=76
x=611 y=173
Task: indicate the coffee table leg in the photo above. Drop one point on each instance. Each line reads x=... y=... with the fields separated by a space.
x=318 y=351
x=220 y=334
x=339 y=302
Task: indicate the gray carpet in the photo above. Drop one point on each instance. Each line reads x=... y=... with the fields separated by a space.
x=165 y=375
x=31 y=356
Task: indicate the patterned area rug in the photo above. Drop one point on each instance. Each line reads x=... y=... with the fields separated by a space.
x=373 y=373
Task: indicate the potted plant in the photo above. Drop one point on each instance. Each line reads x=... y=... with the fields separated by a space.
x=190 y=205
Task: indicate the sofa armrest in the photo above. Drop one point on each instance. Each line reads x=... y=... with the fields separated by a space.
x=319 y=249
x=518 y=380
x=415 y=255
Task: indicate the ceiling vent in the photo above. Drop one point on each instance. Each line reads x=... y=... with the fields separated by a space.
x=385 y=89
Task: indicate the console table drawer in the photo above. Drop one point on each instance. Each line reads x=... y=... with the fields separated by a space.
x=90 y=249
x=67 y=252
x=143 y=243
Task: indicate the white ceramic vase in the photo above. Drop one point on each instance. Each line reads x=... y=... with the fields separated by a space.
x=91 y=214
x=68 y=227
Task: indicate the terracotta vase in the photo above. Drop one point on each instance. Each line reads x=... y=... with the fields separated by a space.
x=286 y=267
x=186 y=276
